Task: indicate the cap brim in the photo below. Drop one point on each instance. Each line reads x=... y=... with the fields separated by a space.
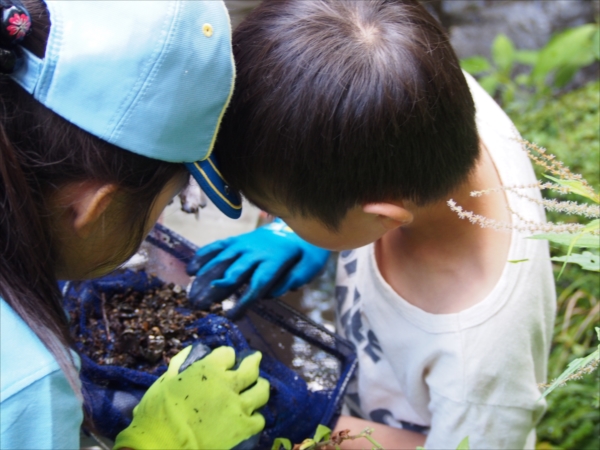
x=215 y=187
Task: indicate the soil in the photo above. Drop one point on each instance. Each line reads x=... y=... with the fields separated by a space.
x=138 y=330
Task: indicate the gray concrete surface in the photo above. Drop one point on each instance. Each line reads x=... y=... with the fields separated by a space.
x=211 y=223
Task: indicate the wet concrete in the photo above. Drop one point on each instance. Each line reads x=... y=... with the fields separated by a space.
x=211 y=224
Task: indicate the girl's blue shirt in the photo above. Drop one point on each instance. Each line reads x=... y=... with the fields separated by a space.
x=38 y=408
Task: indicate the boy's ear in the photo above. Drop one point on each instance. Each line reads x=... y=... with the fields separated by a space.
x=392 y=215
x=86 y=203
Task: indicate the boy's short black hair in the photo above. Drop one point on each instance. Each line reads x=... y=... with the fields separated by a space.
x=341 y=103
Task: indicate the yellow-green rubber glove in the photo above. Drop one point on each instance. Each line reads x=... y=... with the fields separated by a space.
x=200 y=403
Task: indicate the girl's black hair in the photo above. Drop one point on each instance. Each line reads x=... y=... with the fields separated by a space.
x=341 y=103
x=39 y=153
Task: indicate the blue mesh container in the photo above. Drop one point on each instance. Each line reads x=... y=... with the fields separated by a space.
x=307 y=366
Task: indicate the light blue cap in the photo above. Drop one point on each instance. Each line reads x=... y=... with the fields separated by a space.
x=151 y=77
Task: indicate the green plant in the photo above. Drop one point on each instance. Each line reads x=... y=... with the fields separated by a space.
x=576 y=369
x=585 y=235
x=463 y=445
x=564 y=55
x=553 y=66
x=588 y=237
x=495 y=75
x=324 y=439
x=572 y=419
x=567 y=124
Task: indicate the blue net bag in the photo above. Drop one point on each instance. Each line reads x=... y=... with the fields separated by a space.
x=307 y=366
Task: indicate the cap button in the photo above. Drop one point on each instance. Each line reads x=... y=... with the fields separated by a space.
x=207 y=29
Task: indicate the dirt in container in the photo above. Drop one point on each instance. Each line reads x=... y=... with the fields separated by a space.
x=138 y=330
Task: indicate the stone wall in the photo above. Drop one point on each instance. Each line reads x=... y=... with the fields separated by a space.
x=473 y=24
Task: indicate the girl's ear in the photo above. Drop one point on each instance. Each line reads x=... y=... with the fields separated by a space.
x=86 y=202
x=391 y=215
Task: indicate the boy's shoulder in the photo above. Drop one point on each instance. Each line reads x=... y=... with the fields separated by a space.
x=487 y=109
x=439 y=280
x=522 y=290
x=501 y=137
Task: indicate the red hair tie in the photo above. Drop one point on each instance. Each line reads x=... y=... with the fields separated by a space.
x=15 y=25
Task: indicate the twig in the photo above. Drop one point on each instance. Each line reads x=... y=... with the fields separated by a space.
x=106 y=325
x=343 y=435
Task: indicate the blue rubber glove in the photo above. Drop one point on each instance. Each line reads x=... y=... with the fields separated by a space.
x=272 y=259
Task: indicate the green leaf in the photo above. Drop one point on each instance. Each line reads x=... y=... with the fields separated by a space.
x=503 y=54
x=517 y=261
x=322 y=433
x=522 y=79
x=576 y=187
x=565 y=74
x=584 y=241
x=306 y=444
x=573 y=367
x=281 y=442
x=587 y=260
x=464 y=444
x=489 y=83
x=593 y=225
x=508 y=94
x=475 y=65
x=581 y=239
x=596 y=43
x=570 y=47
x=528 y=57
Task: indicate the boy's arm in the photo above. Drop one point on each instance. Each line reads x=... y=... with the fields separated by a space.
x=388 y=437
